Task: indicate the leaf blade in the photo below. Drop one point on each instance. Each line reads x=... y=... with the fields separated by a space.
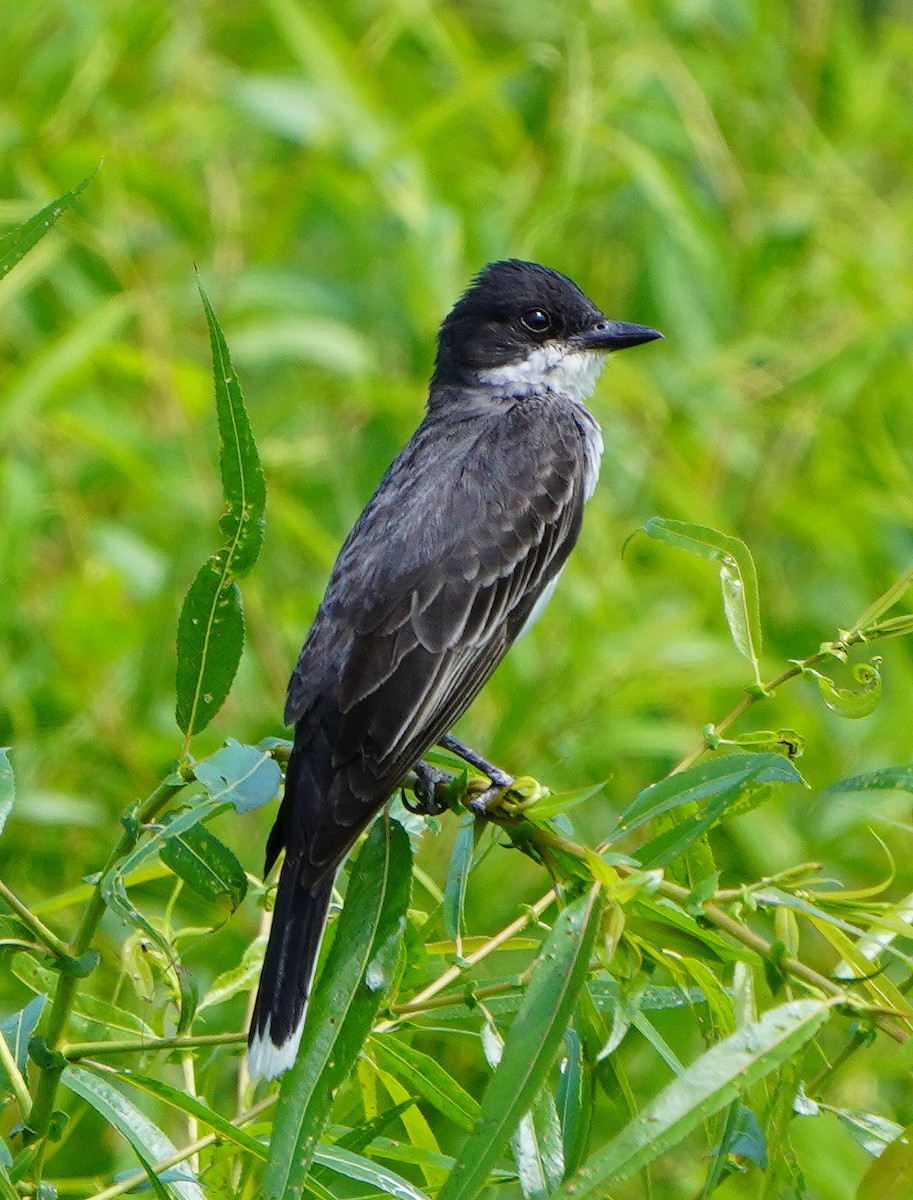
x=343 y=1005
x=703 y=1088
x=19 y=241
x=210 y=634
x=146 y=1138
x=530 y=1045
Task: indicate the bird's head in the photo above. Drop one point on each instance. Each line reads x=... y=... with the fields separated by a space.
x=523 y=325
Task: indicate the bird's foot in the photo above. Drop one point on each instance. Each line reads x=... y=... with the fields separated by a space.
x=428 y=802
x=499 y=780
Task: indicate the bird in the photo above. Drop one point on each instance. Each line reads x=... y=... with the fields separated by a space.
x=454 y=556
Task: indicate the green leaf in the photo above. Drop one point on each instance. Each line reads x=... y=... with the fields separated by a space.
x=155 y=1181
x=245 y=776
x=7 y=1189
x=194 y=1107
x=363 y=1170
x=239 y=978
x=457 y=877
x=17 y=1029
x=16 y=244
x=530 y=1046
x=427 y=1077
x=719 y=784
x=849 y=702
x=704 y=781
x=536 y=1143
x=888 y=779
x=738 y=578
x=574 y=1100
x=88 y=1009
x=209 y=642
x=555 y=803
x=354 y=979
x=204 y=863
x=146 y=1138
x=703 y=1088
x=871 y=1131
x=891 y=1174
x=7 y=786
x=211 y=625
x=236 y=775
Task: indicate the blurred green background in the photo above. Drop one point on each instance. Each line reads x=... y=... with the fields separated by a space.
x=736 y=173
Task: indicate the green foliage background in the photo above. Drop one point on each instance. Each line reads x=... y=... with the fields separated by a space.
x=735 y=173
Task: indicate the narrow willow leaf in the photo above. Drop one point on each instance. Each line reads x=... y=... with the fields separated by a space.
x=239 y=978
x=554 y=803
x=891 y=1174
x=738 y=578
x=363 y=1170
x=851 y=702
x=209 y=642
x=457 y=877
x=17 y=1029
x=891 y=779
x=531 y=1045
x=7 y=786
x=705 y=781
x=243 y=484
x=574 y=1100
x=536 y=1142
x=354 y=979
x=428 y=1078
x=211 y=625
x=236 y=776
x=198 y=1109
x=706 y=1086
x=155 y=1181
x=16 y=244
x=204 y=863
x=87 y=1009
x=733 y=782
x=146 y=1138
x=872 y=1132
x=7 y=1190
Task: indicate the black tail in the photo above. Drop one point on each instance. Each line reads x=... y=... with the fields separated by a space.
x=288 y=968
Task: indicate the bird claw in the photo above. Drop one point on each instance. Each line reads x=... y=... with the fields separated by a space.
x=427 y=781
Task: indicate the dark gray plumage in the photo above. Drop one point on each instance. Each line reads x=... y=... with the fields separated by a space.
x=466 y=532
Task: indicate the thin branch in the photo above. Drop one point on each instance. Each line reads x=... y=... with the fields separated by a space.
x=45 y=936
x=77 y=1050
x=59 y=1016
x=420 y=1000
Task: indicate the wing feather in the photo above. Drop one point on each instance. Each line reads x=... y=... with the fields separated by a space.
x=434 y=583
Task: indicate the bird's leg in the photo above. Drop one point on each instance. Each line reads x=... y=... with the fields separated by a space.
x=499 y=779
x=427 y=781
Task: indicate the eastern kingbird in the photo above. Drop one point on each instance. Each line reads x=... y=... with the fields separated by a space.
x=457 y=552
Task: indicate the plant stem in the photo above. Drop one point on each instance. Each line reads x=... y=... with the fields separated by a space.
x=58 y=1018
x=453 y=973
x=858 y=634
x=44 y=935
x=77 y=1050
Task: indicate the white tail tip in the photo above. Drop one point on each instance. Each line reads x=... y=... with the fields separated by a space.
x=266 y=1059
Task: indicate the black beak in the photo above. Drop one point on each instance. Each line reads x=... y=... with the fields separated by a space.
x=615 y=335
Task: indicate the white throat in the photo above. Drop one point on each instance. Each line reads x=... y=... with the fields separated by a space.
x=571 y=372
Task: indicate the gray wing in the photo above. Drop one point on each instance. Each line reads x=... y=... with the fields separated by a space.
x=467 y=529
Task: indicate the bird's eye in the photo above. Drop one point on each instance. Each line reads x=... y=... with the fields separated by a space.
x=536 y=320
